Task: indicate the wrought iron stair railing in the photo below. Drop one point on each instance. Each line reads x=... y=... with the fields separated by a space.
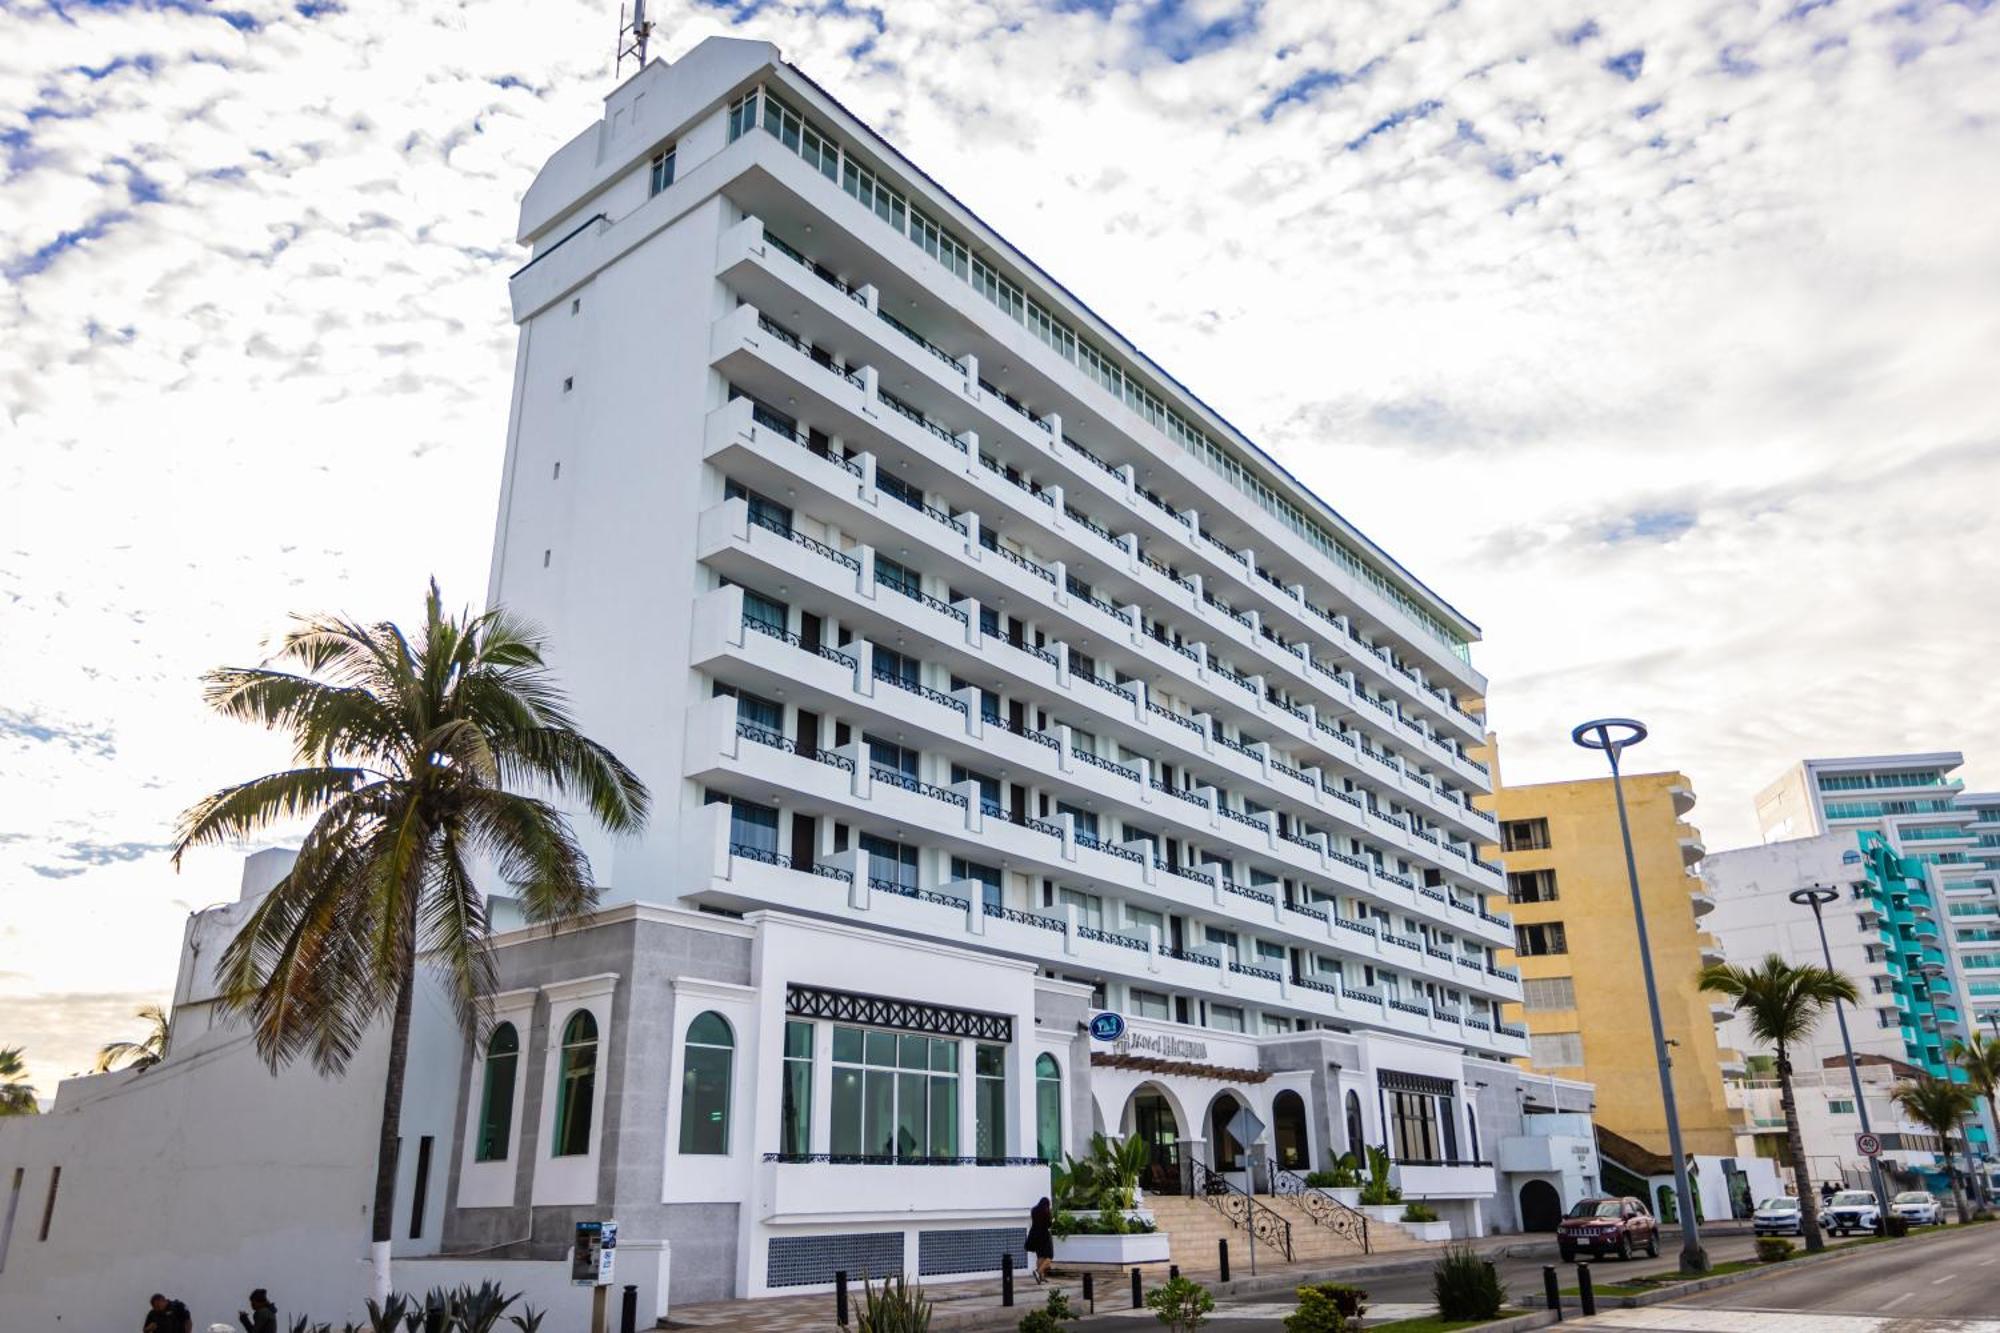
x=1322 y=1208
x=1241 y=1209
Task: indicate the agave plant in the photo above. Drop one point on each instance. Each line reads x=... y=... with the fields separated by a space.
x=894 y=1307
x=387 y=1316
x=478 y=1309
x=529 y=1320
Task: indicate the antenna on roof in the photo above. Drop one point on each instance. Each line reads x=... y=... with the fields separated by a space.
x=632 y=36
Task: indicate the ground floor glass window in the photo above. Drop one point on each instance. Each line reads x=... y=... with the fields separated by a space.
x=895 y=1094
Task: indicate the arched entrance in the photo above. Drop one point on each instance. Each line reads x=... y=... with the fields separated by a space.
x=1151 y=1116
x=1288 y=1132
x=1224 y=1152
x=1541 y=1206
x=1355 y=1142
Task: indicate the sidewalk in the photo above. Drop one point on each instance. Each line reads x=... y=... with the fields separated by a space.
x=976 y=1305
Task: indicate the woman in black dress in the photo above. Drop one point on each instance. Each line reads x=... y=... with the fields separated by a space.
x=1040 y=1243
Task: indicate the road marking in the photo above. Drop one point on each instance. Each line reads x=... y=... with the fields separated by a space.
x=1940 y=1281
x=1892 y=1304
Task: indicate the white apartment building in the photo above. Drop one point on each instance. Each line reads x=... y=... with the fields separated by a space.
x=1974 y=914
x=987 y=683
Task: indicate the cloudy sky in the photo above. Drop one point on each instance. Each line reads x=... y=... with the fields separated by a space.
x=1660 y=338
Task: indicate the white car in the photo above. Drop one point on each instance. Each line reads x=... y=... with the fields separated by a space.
x=1850 y=1211
x=1917 y=1208
x=1778 y=1217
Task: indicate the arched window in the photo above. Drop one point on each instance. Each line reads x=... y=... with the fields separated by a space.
x=1288 y=1131
x=705 y=1068
x=576 y=1086
x=496 y=1098
x=1356 y=1146
x=1048 y=1108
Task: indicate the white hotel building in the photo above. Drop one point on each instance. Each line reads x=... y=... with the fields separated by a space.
x=985 y=680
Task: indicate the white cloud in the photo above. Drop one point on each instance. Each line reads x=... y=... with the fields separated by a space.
x=1735 y=309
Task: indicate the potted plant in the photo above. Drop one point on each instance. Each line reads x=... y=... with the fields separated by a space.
x=1422 y=1221
x=1342 y=1181
x=1097 y=1219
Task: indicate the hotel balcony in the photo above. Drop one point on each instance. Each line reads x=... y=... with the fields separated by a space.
x=724 y=874
x=827 y=1188
x=1699 y=896
x=1710 y=948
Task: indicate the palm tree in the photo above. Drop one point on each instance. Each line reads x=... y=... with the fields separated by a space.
x=17 y=1095
x=412 y=758
x=1939 y=1105
x=1980 y=1059
x=144 y=1053
x=1783 y=1004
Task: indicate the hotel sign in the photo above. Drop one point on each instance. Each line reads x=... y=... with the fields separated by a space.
x=1172 y=1048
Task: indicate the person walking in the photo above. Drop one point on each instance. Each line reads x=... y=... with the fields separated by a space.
x=166 y=1316
x=263 y=1316
x=1040 y=1242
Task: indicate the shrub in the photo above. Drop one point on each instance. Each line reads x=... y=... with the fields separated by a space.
x=1419 y=1212
x=1466 y=1286
x=1180 y=1304
x=894 y=1307
x=1113 y=1223
x=1378 y=1190
x=1050 y=1318
x=1893 y=1225
x=1773 y=1249
x=1344 y=1175
x=1327 y=1307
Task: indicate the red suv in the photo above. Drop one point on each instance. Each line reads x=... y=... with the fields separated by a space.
x=1608 y=1226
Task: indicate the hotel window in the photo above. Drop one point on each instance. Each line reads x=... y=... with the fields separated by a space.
x=895 y=666
x=1524 y=835
x=895 y=1094
x=496 y=1100
x=1543 y=993
x=1148 y=1004
x=1138 y=918
x=1089 y=907
x=795 y=1093
x=989 y=1101
x=886 y=756
x=987 y=876
x=1084 y=820
x=1275 y=1023
x=753 y=710
x=1556 y=1050
x=663 y=171
x=705 y=1071
x=1413 y=1121
x=1048 y=1108
x=1536 y=941
x=764 y=511
x=1271 y=955
x=1225 y=940
x=1225 y=1017
x=1531 y=886
x=576 y=1086
x=753 y=828
x=894 y=574
x=766 y=611
x=989 y=788
x=893 y=863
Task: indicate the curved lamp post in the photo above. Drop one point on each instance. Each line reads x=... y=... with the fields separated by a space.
x=1817 y=896
x=1614 y=735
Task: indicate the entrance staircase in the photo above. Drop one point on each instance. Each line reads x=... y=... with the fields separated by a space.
x=1193 y=1226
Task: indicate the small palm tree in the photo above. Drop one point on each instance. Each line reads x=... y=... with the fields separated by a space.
x=17 y=1095
x=1980 y=1059
x=1782 y=1004
x=1940 y=1106
x=410 y=758
x=144 y=1053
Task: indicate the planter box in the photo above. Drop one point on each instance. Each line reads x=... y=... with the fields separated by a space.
x=1123 y=1251
x=1347 y=1194
x=1427 y=1230
x=1382 y=1212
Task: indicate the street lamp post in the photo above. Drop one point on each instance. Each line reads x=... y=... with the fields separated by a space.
x=1613 y=735
x=1817 y=896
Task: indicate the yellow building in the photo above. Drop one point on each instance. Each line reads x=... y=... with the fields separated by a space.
x=1584 y=997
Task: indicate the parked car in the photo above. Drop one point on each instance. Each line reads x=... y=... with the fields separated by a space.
x=1917 y=1208
x=1607 y=1226
x=1851 y=1211
x=1778 y=1217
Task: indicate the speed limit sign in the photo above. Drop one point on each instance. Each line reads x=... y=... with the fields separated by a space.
x=1868 y=1145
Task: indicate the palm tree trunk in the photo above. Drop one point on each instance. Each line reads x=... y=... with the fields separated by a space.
x=386 y=1148
x=1795 y=1144
x=1951 y=1174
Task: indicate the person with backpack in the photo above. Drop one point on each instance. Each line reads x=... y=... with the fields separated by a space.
x=166 y=1316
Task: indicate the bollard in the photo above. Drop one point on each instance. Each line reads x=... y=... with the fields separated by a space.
x=1586 y=1297
x=628 y=1310
x=1137 y=1299
x=1007 y=1278
x=1173 y=1272
x=1089 y=1293
x=1222 y=1253
x=840 y=1297
x=1553 y=1290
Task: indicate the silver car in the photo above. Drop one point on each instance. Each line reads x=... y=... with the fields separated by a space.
x=1778 y=1217
x=1917 y=1208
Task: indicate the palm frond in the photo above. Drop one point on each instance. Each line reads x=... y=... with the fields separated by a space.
x=534 y=850
x=237 y=812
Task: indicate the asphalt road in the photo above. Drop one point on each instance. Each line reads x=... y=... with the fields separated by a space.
x=1905 y=1288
